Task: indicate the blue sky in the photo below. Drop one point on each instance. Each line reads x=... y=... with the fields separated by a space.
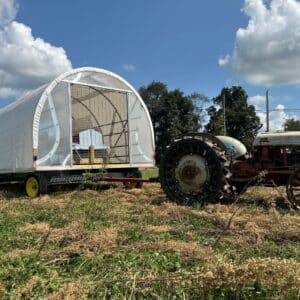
x=176 y=42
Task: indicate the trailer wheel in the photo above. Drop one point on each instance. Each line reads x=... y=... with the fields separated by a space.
x=43 y=183
x=32 y=186
x=293 y=189
x=191 y=172
x=136 y=173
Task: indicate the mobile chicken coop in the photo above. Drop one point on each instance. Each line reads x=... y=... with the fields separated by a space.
x=86 y=119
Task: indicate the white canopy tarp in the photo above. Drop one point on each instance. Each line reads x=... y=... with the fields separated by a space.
x=36 y=130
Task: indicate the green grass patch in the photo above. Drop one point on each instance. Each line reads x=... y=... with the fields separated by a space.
x=150 y=172
x=136 y=244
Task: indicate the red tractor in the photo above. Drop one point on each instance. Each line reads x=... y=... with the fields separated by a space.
x=204 y=168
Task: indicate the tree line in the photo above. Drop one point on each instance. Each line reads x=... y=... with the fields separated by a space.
x=173 y=114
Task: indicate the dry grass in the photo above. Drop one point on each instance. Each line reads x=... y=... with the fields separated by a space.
x=253 y=224
x=69 y=291
x=71 y=233
x=281 y=273
x=2 y=290
x=25 y=291
x=90 y=246
x=46 y=202
x=18 y=253
x=73 y=236
x=101 y=244
x=37 y=228
x=184 y=248
x=160 y=229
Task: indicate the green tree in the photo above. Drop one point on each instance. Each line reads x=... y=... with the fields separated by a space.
x=292 y=125
x=242 y=122
x=172 y=113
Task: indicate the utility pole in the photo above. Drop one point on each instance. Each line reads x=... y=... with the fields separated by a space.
x=224 y=115
x=267 y=112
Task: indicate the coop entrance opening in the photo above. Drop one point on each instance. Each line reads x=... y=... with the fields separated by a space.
x=100 y=126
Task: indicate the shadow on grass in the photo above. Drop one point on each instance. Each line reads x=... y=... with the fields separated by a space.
x=13 y=191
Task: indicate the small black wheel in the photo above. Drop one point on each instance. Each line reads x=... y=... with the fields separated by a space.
x=191 y=172
x=134 y=173
x=293 y=189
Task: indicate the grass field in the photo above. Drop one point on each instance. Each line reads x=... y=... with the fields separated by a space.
x=132 y=244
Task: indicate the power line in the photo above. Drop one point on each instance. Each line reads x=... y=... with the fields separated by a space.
x=279 y=109
x=256 y=110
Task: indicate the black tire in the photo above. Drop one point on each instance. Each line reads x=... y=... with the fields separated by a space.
x=293 y=189
x=43 y=180
x=133 y=173
x=211 y=187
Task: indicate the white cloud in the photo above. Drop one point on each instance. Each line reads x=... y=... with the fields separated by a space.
x=26 y=62
x=8 y=11
x=258 y=101
x=277 y=117
x=128 y=67
x=267 y=51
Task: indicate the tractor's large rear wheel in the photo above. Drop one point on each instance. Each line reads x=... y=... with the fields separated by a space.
x=191 y=172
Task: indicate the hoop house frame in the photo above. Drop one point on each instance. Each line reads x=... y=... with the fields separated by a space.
x=87 y=118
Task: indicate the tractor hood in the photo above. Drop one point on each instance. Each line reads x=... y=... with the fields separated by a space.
x=238 y=148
